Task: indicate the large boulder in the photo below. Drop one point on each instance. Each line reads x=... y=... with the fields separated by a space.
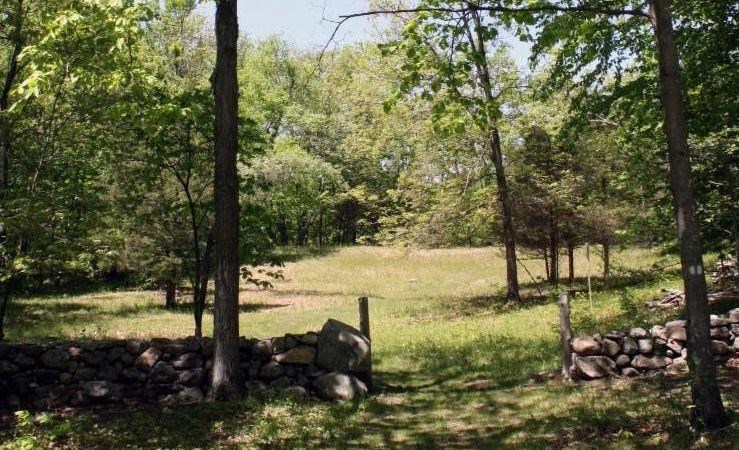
x=676 y=330
x=611 y=347
x=630 y=346
x=339 y=386
x=189 y=360
x=594 y=367
x=302 y=354
x=342 y=348
x=148 y=359
x=56 y=359
x=585 y=346
x=720 y=348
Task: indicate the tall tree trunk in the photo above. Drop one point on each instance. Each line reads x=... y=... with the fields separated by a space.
x=202 y=290
x=546 y=265
x=554 y=251
x=571 y=263
x=284 y=234
x=5 y=299
x=10 y=77
x=606 y=264
x=226 y=376
x=506 y=208
x=705 y=389
x=170 y=294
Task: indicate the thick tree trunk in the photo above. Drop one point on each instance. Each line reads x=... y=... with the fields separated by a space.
x=546 y=264
x=201 y=291
x=226 y=377
x=571 y=263
x=170 y=294
x=705 y=389
x=606 y=264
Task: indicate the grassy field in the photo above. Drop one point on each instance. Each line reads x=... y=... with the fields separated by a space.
x=459 y=366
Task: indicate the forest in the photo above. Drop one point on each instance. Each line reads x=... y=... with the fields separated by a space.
x=143 y=149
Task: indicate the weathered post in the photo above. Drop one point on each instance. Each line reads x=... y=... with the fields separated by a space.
x=364 y=327
x=565 y=333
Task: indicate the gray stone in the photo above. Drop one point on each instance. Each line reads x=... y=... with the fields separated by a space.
x=148 y=359
x=676 y=330
x=610 y=347
x=594 y=367
x=278 y=345
x=190 y=395
x=342 y=348
x=55 y=359
x=309 y=338
x=658 y=332
x=108 y=373
x=302 y=354
x=94 y=358
x=262 y=350
x=192 y=377
x=281 y=383
x=253 y=386
x=74 y=352
x=115 y=353
x=623 y=360
x=296 y=392
x=615 y=336
x=629 y=372
x=733 y=315
x=717 y=321
x=132 y=374
x=291 y=342
x=585 y=346
x=190 y=360
x=7 y=368
x=720 y=348
x=638 y=332
x=99 y=390
x=679 y=365
x=650 y=363
x=163 y=373
x=339 y=386
x=24 y=360
x=675 y=346
x=135 y=347
x=271 y=370
x=85 y=373
x=720 y=333
x=645 y=345
x=630 y=346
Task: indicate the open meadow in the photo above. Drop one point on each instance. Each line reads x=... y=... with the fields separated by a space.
x=456 y=365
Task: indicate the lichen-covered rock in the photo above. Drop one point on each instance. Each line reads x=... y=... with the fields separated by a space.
x=271 y=370
x=302 y=354
x=623 y=360
x=163 y=373
x=649 y=363
x=190 y=395
x=630 y=347
x=585 y=346
x=637 y=333
x=675 y=346
x=339 y=386
x=594 y=367
x=148 y=359
x=189 y=360
x=676 y=330
x=193 y=377
x=629 y=372
x=262 y=350
x=342 y=348
x=720 y=348
x=611 y=347
x=646 y=345
x=55 y=359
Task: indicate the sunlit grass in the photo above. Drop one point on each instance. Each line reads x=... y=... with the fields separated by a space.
x=460 y=367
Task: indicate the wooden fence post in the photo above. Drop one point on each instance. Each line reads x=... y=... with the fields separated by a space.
x=565 y=333
x=364 y=327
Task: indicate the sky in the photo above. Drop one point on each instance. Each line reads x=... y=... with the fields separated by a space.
x=302 y=22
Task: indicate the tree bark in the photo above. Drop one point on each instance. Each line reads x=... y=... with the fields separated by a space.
x=571 y=263
x=226 y=378
x=10 y=77
x=705 y=389
x=5 y=299
x=606 y=264
x=170 y=294
x=554 y=252
x=202 y=289
x=506 y=208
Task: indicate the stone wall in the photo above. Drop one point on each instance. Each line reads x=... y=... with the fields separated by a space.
x=329 y=364
x=660 y=349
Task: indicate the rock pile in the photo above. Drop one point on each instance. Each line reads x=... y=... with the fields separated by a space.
x=671 y=298
x=661 y=348
x=329 y=364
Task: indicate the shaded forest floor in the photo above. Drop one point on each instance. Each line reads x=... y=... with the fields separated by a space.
x=459 y=367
